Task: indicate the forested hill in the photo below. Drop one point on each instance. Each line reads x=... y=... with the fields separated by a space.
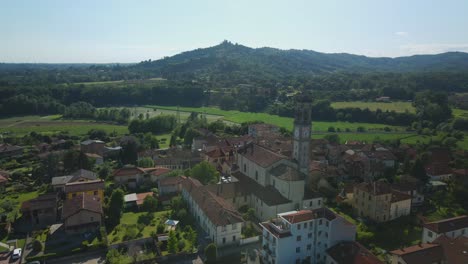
x=230 y=64
x=228 y=58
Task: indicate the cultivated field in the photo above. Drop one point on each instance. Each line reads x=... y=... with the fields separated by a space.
x=399 y=107
x=53 y=124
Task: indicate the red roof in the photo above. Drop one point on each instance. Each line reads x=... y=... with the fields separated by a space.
x=141 y=197
x=81 y=202
x=128 y=171
x=352 y=253
x=306 y=215
x=157 y=171
x=260 y=155
x=448 y=225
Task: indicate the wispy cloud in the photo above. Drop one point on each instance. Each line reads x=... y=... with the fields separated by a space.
x=401 y=33
x=433 y=48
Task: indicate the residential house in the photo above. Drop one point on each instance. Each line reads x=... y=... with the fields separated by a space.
x=133 y=176
x=82 y=213
x=93 y=146
x=217 y=217
x=41 y=211
x=59 y=182
x=443 y=250
x=7 y=150
x=170 y=185
x=176 y=159
x=260 y=130
x=379 y=202
x=350 y=252
x=136 y=199
x=438 y=168
x=94 y=188
x=304 y=236
x=411 y=186
x=452 y=227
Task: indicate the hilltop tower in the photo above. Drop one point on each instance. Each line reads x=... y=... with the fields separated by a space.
x=302 y=132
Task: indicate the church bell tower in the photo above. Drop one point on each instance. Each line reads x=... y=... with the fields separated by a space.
x=302 y=132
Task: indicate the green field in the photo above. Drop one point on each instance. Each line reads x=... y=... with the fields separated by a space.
x=155 y=111
x=287 y=122
x=399 y=107
x=131 y=219
x=460 y=113
x=52 y=124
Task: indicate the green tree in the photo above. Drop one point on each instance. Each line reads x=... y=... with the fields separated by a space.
x=172 y=242
x=115 y=207
x=332 y=138
x=150 y=204
x=211 y=253
x=146 y=162
x=129 y=152
x=419 y=171
x=205 y=173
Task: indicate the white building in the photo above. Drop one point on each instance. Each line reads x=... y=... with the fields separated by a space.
x=218 y=218
x=304 y=235
x=452 y=228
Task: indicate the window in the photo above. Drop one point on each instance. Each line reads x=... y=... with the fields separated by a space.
x=234 y=226
x=223 y=228
x=327 y=223
x=233 y=238
x=429 y=233
x=326 y=234
x=319 y=202
x=245 y=168
x=224 y=240
x=298 y=238
x=320 y=222
x=305 y=225
x=273 y=182
x=309 y=235
x=309 y=247
x=319 y=233
x=298 y=250
x=318 y=256
x=299 y=227
x=369 y=197
x=256 y=175
x=310 y=204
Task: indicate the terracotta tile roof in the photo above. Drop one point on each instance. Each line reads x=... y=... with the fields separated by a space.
x=141 y=197
x=219 y=211
x=84 y=174
x=268 y=194
x=260 y=155
x=81 y=202
x=84 y=186
x=307 y=215
x=399 y=196
x=448 y=225
x=128 y=171
x=352 y=253
x=41 y=202
x=157 y=171
x=442 y=250
x=287 y=173
x=455 y=250
x=215 y=153
x=171 y=181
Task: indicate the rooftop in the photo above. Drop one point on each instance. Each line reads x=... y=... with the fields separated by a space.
x=448 y=225
x=81 y=202
x=352 y=253
x=84 y=186
x=260 y=155
x=287 y=173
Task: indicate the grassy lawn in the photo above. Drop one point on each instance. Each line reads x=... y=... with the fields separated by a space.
x=456 y=112
x=287 y=122
x=399 y=107
x=164 y=140
x=131 y=220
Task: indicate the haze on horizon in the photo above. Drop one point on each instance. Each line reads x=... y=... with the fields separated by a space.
x=131 y=31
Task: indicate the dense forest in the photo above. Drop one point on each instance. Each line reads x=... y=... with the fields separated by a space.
x=233 y=76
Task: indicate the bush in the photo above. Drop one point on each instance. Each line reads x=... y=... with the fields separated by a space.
x=211 y=253
x=37 y=246
x=160 y=229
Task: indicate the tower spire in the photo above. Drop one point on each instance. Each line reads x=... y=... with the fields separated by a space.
x=302 y=131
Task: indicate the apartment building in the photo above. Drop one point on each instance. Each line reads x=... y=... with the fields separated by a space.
x=297 y=236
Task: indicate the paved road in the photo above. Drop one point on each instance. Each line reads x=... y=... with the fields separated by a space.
x=85 y=258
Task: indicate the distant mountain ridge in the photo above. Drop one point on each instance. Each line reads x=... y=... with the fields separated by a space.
x=228 y=58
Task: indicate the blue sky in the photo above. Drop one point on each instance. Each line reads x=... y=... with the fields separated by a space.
x=131 y=31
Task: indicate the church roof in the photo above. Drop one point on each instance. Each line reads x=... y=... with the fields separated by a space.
x=260 y=155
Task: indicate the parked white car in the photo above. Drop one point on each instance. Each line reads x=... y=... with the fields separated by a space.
x=16 y=253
